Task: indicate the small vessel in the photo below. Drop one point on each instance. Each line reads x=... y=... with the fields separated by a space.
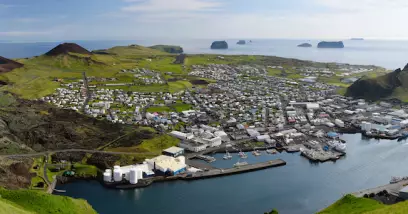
x=227 y=156
x=242 y=154
x=256 y=153
x=395 y=179
x=238 y=164
x=403 y=136
x=341 y=147
x=271 y=151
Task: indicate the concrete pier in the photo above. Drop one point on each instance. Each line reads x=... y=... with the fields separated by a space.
x=235 y=170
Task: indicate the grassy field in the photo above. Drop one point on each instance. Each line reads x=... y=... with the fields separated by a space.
x=158 y=109
x=7 y=207
x=350 y=204
x=85 y=171
x=29 y=201
x=152 y=146
x=179 y=107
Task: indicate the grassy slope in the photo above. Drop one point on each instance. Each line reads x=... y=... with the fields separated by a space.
x=7 y=207
x=39 y=202
x=350 y=204
x=154 y=145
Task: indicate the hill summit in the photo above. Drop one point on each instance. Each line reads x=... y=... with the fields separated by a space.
x=66 y=48
x=391 y=85
x=7 y=65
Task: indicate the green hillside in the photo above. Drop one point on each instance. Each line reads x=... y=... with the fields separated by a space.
x=168 y=48
x=28 y=201
x=391 y=85
x=350 y=204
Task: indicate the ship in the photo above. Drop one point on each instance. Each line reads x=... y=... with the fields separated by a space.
x=403 y=136
x=256 y=153
x=242 y=154
x=227 y=156
x=271 y=151
x=340 y=147
x=238 y=164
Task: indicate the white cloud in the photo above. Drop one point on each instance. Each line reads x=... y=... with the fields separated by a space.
x=173 y=5
x=363 y=5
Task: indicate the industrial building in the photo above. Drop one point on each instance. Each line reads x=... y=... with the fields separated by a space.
x=166 y=165
x=173 y=151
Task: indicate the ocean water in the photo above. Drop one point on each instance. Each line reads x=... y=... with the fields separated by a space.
x=300 y=187
x=388 y=54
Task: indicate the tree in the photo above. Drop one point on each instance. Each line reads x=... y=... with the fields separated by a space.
x=274 y=211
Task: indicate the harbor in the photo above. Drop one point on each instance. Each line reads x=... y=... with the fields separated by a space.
x=286 y=188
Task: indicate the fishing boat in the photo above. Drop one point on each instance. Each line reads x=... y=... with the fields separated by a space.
x=271 y=151
x=341 y=147
x=256 y=153
x=395 y=180
x=242 y=154
x=403 y=136
x=238 y=164
x=227 y=156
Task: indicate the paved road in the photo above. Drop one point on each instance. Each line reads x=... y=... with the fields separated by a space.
x=391 y=188
x=88 y=93
x=76 y=150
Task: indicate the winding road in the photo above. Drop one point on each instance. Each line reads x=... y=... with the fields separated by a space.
x=76 y=150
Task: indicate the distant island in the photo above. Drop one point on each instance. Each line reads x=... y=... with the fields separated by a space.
x=305 y=45
x=219 y=45
x=325 y=44
x=241 y=42
x=357 y=39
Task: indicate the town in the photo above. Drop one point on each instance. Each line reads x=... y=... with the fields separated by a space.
x=243 y=109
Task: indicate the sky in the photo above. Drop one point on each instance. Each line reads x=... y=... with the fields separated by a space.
x=51 y=20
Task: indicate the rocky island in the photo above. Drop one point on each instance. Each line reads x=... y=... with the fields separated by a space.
x=219 y=45
x=325 y=44
x=305 y=45
x=241 y=42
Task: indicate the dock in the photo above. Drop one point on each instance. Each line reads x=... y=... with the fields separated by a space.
x=320 y=156
x=235 y=170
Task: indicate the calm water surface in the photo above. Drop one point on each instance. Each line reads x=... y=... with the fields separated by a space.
x=388 y=54
x=299 y=187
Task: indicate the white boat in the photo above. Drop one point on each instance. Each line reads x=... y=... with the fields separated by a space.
x=395 y=180
x=256 y=153
x=242 y=154
x=271 y=151
x=227 y=156
x=238 y=164
x=341 y=147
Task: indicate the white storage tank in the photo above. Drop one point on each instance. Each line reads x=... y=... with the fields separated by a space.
x=133 y=176
x=139 y=174
x=107 y=177
x=117 y=174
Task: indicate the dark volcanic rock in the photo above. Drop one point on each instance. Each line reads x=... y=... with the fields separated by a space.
x=377 y=88
x=241 y=42
x=7 y=65
x=180 y=59
x=66 y=48
x=219 y=45
x=330 y=44
x=305 y=45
